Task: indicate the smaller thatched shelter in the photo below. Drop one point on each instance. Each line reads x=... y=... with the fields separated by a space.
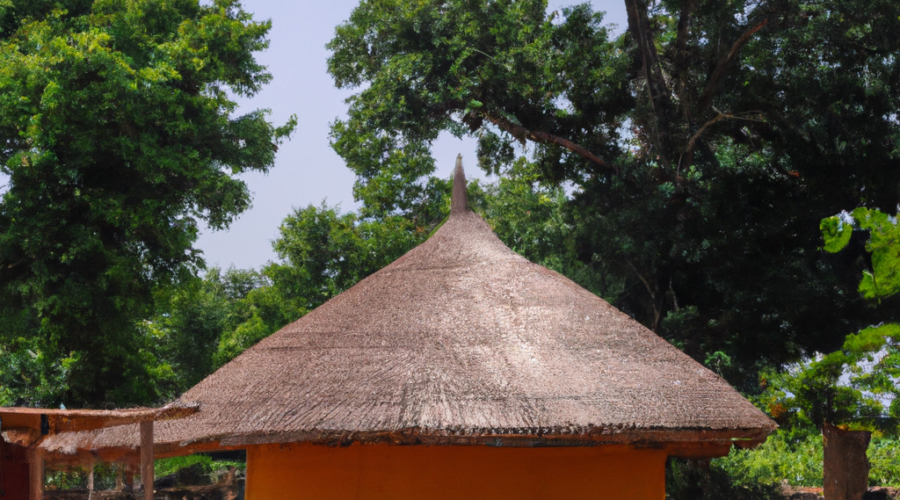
x=461 y=370
x=24 y=432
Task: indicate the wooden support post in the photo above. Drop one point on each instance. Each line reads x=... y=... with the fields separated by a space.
x=129 y=478
x=147 y=458
x=90 y=485
x=36 y=474
x=120 y=483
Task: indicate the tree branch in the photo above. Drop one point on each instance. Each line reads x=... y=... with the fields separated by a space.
x=693 y=141
x=657 y=312
x=681 y=58
x=718 y=74
x=522 y=134
x=639 y=25
x=719 y=116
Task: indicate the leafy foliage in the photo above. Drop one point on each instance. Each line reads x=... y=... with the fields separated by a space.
x=789 y=456
x=851 y=386
x=164 y=467
x=792 y=455
x=535 y=220
x=693 y=480
x=118 y=136
x=28 y=374
x=76 y=477
x=189 y=322
x=883 y=280
x=884 y=468
x=457 y=66
x=325 y=252
x=795 y=456
x=322 y=253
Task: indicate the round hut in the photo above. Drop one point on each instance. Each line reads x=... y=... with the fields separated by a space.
x=461 y=370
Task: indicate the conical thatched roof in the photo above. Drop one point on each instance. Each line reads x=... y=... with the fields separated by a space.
x=461 y=340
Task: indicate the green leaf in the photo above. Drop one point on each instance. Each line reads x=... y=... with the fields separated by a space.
x=883 y=280
x=836 y=233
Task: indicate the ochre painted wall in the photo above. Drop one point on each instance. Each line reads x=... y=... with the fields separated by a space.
x=299 y=471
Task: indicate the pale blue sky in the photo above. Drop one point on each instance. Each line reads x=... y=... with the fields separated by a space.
x=306 y=169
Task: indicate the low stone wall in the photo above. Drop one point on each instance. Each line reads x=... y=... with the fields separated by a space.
x=873 y=493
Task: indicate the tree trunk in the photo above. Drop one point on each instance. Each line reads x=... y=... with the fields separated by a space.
x=641 y=32
x=846 y=465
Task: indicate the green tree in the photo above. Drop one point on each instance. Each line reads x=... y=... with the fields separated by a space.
x=702 y=147
x=851 y=385
x=534 y=219
x=856 y=387
x=191 y=317
x=119 y=137
x=322 y=252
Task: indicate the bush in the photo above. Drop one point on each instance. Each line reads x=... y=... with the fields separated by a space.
x=165 y=466
x=794 y=456
x=699 y=480
x=884 y=459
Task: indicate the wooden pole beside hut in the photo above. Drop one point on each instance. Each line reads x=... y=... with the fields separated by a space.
x=147 y=458
x=35 y=474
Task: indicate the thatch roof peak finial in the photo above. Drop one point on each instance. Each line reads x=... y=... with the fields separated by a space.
x=459 y=202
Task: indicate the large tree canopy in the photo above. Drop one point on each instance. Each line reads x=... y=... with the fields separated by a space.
x=118 y=134
x=704 y=146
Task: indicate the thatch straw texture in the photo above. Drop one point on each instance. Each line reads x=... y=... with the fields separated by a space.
x=459 y=341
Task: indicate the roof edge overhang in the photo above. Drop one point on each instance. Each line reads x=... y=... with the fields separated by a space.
x=685 y=443
x=682 y=443
x=55 y=421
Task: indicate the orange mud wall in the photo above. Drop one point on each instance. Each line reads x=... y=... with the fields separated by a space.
x=299 y=471
x=13 y=472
